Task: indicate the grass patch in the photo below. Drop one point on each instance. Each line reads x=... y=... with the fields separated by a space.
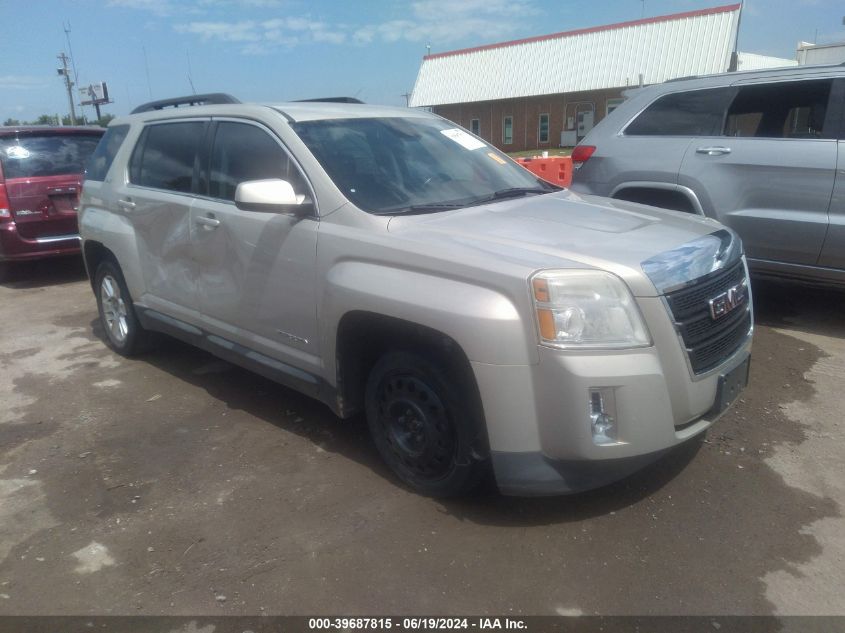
x=531 y=153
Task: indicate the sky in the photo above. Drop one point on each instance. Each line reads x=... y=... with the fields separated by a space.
x=279 y=50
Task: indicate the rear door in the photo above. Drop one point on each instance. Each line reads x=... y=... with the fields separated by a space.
x=163 y=173
x=770 y=173
x=833 y=251
x=43 y=172
x=652 y=146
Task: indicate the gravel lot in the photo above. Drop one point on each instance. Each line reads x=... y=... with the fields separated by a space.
x=178 y=484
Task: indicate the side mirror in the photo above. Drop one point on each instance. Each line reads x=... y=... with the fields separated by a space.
x=271 y=196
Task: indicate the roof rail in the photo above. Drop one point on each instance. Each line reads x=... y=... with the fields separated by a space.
x=685 y=78
x=331 y=100
x=190 y=100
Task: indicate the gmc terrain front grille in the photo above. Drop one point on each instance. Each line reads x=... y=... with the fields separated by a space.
x=709 y=340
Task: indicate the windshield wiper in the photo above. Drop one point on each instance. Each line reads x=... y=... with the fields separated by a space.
x=511 y=192
x=516 y=192
x=421 y=208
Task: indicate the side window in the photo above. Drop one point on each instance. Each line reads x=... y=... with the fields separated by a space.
x=781 y=110
x=164 y=158
x=244 y=152
x=543 y=128
x=692 y=113
x=475 y=126
x=103 y=156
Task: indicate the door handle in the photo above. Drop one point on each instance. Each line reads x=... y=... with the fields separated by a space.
x=126 y=204
x=713 y=151
x=211 y=223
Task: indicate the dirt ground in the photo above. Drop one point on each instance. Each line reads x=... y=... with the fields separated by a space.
x=178 y=484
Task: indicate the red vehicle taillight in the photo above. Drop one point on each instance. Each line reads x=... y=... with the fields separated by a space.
x=5 y=207
x=581 y=154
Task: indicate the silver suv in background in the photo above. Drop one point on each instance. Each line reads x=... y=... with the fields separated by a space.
x=384 y=261
x=757 y=151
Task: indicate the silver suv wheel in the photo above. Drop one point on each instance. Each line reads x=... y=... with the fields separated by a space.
x=114 y=309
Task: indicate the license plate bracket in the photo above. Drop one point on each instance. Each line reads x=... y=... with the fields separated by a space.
x=731 y=385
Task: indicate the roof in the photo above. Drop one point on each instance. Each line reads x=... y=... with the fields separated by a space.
x=292 y=111
x=29 y=130
x=752 y=61
x=611 y=56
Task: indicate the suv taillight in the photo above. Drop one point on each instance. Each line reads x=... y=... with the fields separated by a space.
x=581 y=154
x=5 y=207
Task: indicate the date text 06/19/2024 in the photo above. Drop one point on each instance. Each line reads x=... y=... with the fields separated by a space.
x=416 y=624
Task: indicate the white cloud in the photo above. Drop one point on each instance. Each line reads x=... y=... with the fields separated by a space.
x=261 y=37
x=441 y=22
x=159 y=7
x=21 y=82
x=448 y=21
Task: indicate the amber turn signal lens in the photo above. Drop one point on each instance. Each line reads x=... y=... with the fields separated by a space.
x=547 y=324
x=541 y=290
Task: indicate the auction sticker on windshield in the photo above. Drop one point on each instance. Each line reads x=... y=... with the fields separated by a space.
x=463 y=139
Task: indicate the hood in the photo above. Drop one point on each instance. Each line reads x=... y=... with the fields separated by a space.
x=563 y=230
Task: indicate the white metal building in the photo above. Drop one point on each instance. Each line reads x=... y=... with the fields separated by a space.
x=549 y=90
x=812 y=54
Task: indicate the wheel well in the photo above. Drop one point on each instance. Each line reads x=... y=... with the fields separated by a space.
x=94 y=254
x=663 y=198
x=363 y=337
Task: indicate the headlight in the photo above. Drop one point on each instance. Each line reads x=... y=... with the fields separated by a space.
x=587 y=308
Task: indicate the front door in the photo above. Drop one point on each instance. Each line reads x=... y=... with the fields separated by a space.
x=256 y=270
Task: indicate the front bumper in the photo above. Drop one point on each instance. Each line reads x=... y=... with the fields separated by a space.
x=538 y=419
x=14 y=247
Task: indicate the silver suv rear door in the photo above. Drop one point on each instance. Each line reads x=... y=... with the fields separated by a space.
x=770 y=175
x=163 y=170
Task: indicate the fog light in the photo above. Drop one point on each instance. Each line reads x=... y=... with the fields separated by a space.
x=603 y=415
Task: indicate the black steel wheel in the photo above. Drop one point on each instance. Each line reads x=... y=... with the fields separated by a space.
x=422 y=425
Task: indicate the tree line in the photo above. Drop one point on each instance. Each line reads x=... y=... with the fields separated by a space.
x=50 y=119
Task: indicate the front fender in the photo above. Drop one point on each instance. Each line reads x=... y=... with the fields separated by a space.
x=484 y=322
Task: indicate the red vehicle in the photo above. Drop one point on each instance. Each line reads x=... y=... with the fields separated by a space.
x=41 y=171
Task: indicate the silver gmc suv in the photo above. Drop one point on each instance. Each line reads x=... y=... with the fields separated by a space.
x=385 y=261
x=757 y=151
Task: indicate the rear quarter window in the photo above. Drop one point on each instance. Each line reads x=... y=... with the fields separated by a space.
x=103 y=156
x=32 y=156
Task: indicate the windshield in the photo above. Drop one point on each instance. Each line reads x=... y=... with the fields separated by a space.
x=49 y=155
x=413 y=165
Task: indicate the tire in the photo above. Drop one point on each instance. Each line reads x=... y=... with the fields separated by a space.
x=123 y=332
x=423 y=424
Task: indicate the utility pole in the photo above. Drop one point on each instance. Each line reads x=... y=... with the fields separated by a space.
x=66 y=28
x=69 y=83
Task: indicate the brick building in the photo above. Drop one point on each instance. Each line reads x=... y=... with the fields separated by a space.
x=549 y=91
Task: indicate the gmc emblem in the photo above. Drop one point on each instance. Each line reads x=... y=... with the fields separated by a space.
x=732 y=298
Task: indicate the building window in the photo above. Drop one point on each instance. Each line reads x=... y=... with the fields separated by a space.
x=475 y=126
x=507 y=130
x=543 y=129
x=612 y=104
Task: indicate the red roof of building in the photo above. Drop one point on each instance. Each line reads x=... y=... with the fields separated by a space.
x=595 y=29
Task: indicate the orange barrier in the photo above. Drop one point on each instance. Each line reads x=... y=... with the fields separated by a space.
x=555 y=169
